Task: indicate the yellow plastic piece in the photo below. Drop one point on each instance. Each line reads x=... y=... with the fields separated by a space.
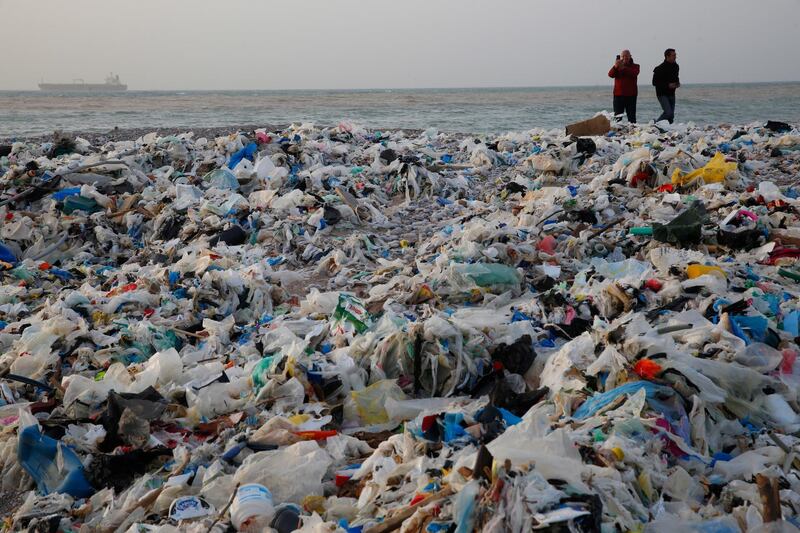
x=714 y=172
x=645 y=485
x=695 y=271
x=298 y=419
x=370 y=402
x=314 y=503
x=618 y=453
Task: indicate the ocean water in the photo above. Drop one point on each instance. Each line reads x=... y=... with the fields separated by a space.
x=452 y=110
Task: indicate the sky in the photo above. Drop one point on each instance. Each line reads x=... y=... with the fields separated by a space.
x=359 y=44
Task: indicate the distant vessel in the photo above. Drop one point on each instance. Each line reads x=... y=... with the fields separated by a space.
x=112 y=84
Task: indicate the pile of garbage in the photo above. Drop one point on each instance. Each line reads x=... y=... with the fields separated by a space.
x=339 y=329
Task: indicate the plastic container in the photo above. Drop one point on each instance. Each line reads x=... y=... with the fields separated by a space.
x=252 y=508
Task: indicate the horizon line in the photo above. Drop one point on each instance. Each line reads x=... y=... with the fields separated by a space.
x=453 y=88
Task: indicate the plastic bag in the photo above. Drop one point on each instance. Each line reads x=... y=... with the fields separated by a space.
x=52 y=464
x=350 y=316
x=684 y=229
x=715 y=171
x=291 y=473
x=368 y=406
x=488 y=274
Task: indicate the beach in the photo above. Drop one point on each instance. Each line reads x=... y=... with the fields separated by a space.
x=400 y=326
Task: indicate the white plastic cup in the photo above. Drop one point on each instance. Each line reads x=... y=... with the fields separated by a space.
x=251 y=507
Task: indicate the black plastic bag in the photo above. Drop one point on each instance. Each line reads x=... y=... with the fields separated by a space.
x=517 y=357
x=685 y=229
x=777 y=127
x=586 y=146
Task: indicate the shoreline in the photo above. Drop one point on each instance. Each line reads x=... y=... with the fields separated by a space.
x=116 y=134
x=209 y=132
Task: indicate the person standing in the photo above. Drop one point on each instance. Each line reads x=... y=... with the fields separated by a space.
x=666 y=80
x=625 y=73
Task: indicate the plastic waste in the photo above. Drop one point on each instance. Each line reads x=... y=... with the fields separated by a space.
x=684 y=229
x=488 y=274
x=252 y=508
x=760 y=357
x=403 y=329
x=368 y=406
x=189 y=508
x=715 y=171
x=53 y=465
x=293 y=472
x=695 y=271
x=7 y=256
x=740 y=230
x=287 y=518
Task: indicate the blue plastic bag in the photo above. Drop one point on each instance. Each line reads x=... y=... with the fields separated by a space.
x=63 y=194
x=38 y=454
x=598 y=401
x=245 y=153
x=6 y=255
x=749 y=328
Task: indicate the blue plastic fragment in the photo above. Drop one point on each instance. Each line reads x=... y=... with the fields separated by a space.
x=38 y=455
x=598 y=401
x=63 y=194
x=6 y=255
x=245 y=153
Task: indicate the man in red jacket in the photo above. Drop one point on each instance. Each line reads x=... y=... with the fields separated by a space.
x=625 y=72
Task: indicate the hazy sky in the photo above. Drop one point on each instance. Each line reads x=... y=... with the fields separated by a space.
x=329 y=44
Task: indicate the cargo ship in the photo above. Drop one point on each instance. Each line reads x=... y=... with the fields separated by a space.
x=112 y=84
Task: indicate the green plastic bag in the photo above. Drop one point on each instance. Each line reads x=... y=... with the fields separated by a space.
x=261 y=372
x=350 y=316
x=489 y=274
x=685 y=229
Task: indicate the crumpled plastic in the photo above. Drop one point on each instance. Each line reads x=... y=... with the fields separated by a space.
x=715 y=171
x=502 y=333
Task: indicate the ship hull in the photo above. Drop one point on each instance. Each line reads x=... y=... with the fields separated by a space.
x=82 y=87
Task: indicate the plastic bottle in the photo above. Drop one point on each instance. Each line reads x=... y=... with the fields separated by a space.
x=252 y=508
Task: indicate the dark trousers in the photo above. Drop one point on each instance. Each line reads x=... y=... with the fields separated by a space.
x=626 y=104
x=668 y=105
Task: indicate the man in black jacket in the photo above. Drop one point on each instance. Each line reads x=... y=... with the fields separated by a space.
x=666 y=80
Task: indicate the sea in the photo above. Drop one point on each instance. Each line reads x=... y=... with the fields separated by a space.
x=493 y=110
